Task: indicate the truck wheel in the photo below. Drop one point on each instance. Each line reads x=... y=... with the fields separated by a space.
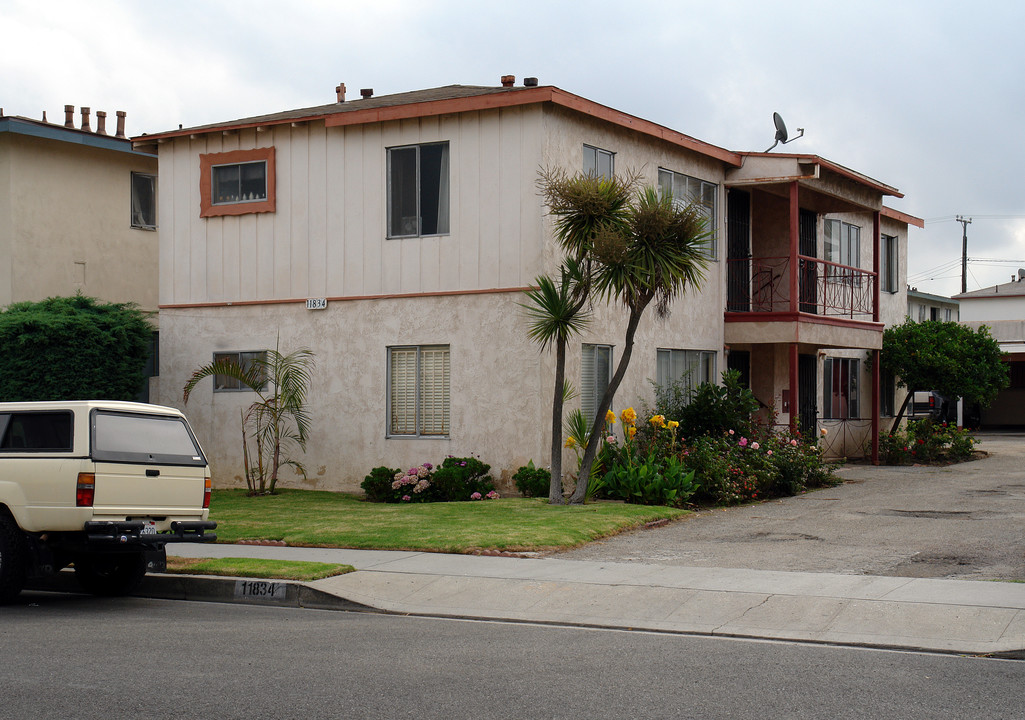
x=12 y=560
x=110 y=573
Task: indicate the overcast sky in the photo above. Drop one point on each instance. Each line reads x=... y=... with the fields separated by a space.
x=926 y=96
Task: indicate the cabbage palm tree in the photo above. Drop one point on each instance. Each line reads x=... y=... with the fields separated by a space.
x=642 y=248
x=556 y=311
x=278 y=421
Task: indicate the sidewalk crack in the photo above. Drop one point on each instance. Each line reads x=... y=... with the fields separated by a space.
x=744 y=614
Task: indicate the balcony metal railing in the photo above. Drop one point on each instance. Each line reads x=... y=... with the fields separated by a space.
x=761 y=285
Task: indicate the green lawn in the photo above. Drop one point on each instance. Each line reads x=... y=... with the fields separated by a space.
x=326 y=519
x=256 y=568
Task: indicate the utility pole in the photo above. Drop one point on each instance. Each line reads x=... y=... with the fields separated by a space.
x=964 y=251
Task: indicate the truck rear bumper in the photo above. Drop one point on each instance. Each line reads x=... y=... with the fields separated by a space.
x=129 y=533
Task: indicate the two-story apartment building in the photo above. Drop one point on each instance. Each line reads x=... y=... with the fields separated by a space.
x=924 y=306
x=394 y=237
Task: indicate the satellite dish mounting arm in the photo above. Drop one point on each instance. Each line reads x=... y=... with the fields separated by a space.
x=781 y=131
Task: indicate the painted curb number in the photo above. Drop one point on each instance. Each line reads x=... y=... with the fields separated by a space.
x=260 y=589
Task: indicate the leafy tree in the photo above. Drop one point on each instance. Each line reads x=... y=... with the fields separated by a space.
x=73 y=348
x=278 y=422
x=639 y=249
x=556 y=312
x=947 y=357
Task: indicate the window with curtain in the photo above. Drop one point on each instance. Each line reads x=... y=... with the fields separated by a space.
x=688 y=368
x=419 y=380
x=418 y=190
x=595 y=375
x=144 y=201
x=687 y=190
x=840 y=388
x=888 y=263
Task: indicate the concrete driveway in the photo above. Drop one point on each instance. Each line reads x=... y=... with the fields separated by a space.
x=963 y=521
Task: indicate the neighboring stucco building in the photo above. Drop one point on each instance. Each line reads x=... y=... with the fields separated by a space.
x=394 y=237
x=924 y=306
x=77 y=212
x=1002 y=309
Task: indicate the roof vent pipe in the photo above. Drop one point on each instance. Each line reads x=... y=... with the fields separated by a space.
x=367 y=93
x=508 y=80
x=85 y=119
x=530 y=82
x=69 y=116
x=101 y=122
x=120 y=124
x=340 y=92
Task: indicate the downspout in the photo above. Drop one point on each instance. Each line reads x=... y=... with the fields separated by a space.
x=876 y=238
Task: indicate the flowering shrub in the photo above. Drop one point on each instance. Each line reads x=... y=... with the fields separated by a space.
x=651 y=475
x=456 y=479
x=926 y=441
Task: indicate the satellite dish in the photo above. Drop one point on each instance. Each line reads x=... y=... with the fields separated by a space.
x=781 y=131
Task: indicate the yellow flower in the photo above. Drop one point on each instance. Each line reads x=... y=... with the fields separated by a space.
x=631 y=431
x=629 y=416
x=571 y=442
x=658 y=421
x=610 y=417
x=673 y=424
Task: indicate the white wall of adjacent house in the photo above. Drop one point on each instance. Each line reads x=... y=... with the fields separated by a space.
x=240 y=284
x=1010 y=307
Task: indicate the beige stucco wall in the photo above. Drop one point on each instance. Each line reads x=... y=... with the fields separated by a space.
x=66 y=223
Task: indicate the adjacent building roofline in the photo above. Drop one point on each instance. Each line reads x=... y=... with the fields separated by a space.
x=36 y=128
x=448 y=100
x=902 y=217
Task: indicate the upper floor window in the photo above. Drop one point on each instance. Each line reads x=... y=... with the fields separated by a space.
x=236 y=182
x=418 y=190
x=688 y=190
x=888 y=263
x=144 y=201
x=843 y=243
x=598 y=162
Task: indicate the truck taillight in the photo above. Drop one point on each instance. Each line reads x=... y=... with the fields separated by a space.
x=85 y=490
x=206 y=493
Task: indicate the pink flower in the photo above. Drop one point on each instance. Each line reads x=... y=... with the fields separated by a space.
x=406 y=498
x=794 y=443
x=755 y=446
x=743 y=442
x=769 y=452
x=492 y=495
x=731 y=432
x=610 y=439
x=475 y=496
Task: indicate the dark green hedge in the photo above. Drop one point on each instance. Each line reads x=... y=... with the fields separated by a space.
x=72 y=348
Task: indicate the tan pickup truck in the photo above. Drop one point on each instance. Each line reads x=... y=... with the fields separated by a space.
x=99 y=485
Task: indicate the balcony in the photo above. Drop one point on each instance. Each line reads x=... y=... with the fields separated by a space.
x=835 y=304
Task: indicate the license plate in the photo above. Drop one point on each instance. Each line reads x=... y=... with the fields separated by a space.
x=149 y=529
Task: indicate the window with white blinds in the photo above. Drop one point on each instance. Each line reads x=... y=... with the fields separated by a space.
x=418 y=390
x=690 y=368
x=595 y=375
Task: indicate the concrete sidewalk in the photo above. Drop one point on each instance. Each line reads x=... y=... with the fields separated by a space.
x=960 y=616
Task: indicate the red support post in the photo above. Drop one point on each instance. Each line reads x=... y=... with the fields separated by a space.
x=795 y=245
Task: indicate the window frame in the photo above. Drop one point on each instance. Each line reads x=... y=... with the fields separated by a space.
x=845 y=387
x=889 y=264
x=705 y=191
x=690 y=360
x=241 y=357
x=590 y=397
x=846 y=244
x=209 y=161
x=419 y=390
x=444 y=183
x=5 y=428
x=598 y=153
x=138 y=217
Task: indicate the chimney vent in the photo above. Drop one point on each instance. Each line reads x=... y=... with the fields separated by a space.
x=120 y=124
x=508 y=80
x=367 y=93
x=85 y=119
x=101 y=122
x=69 y=116
x=340 y=92
x=1021 y=274
x=530 y=82
x=44 y=115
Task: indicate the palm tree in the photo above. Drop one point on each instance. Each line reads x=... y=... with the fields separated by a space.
x=556 y=312
x=278 y=420
x=642 y=249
